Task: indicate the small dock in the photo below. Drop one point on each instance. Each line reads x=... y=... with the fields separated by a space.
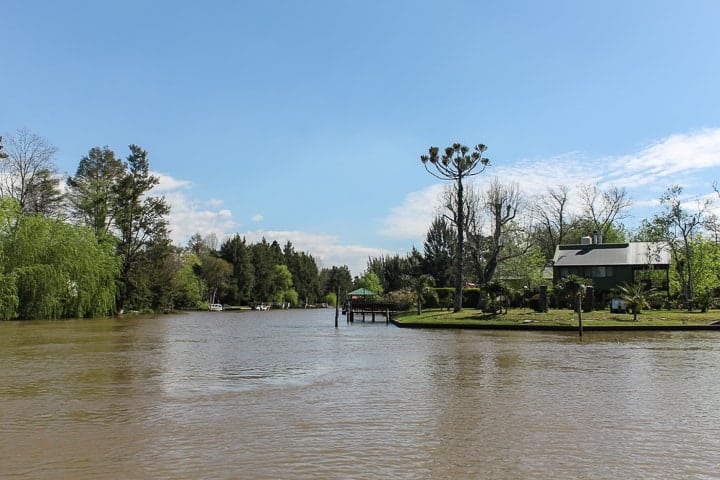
x=362 y=309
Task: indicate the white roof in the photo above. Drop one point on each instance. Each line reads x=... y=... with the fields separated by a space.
x=633 y=253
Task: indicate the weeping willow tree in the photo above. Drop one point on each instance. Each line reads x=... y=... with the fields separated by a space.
x=9 y=302
x=58 y=270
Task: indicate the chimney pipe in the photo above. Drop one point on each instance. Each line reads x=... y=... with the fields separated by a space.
x=598 y=237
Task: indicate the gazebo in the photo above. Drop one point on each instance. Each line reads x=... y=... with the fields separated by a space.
x=362 y=301
x=362 y=292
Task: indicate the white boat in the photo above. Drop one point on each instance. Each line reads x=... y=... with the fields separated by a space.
x=215 y=307
x=262 y=307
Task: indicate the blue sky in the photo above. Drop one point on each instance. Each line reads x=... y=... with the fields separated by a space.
x=305 y=120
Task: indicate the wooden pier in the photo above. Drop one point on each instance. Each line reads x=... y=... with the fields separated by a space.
x=364 y=308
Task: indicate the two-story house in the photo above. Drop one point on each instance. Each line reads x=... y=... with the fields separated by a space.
x=611 y=264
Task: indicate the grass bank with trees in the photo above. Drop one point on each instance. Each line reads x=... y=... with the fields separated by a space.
x=560 y=319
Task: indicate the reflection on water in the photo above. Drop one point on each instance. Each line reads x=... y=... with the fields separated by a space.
x=285 y=395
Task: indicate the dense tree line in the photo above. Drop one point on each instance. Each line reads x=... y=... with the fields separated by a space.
x=101 y=245
x=510 y=240
x=498 y=239
x=242 y=273
x=97 y=249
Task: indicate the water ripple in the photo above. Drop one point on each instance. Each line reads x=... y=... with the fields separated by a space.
x=272 y=395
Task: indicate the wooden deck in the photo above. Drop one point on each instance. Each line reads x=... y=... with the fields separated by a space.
x=360 y=310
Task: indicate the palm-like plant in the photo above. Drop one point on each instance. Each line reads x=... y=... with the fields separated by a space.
x=495 y=289
x=636 y=296
x=572 y=287
x=419 y=287
x=704 y=299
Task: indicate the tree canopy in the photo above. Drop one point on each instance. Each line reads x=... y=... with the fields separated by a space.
x=102 y=246
x=58 y=270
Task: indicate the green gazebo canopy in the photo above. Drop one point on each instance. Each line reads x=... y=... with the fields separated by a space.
x=362 y=292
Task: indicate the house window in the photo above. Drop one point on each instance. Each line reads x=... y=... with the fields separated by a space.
x=587 y=272
x=599 y=272
x=565 y=271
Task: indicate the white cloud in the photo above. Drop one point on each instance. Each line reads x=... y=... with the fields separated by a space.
x=187 y=218
x=168 y=183
x=684 y=159
x=670 y=160
x=412 y=218
x=645 y=174
x=535 y=175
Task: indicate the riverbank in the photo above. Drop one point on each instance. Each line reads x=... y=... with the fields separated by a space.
x=560 y=320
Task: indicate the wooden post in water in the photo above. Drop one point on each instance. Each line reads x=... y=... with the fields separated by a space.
x=579 y=310
x=337 y=304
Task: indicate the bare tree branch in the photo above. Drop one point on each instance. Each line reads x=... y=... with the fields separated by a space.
x=603 y=208
x=28 y=157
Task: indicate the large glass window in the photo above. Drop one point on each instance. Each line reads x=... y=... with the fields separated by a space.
x=587 y=272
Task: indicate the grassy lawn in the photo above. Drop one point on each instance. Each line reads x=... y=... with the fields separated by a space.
x=524 y=316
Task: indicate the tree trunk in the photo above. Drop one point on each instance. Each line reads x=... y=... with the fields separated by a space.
x=690 y=293
x=460 y=242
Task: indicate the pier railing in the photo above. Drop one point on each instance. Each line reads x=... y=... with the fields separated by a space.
x=368 y=307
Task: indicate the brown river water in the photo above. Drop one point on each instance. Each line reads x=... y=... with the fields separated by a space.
x=284 y=395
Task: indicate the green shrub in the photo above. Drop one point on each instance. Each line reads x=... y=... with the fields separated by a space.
x=471 y=297
x=445 y=297
x=403 y=299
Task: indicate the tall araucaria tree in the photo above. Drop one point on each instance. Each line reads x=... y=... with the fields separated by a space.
x=456 y=164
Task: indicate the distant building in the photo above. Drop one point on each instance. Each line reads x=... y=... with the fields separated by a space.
x=611 y=264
